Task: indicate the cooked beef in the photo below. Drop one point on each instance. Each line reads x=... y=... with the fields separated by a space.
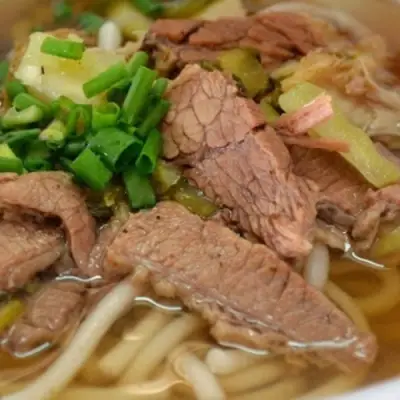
x=26 y=248
x=52 y=194
x=51 y=312
x=276 y=36
x=237 y=161
x=242 y=289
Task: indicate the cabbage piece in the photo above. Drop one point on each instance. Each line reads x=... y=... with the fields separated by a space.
x=362 y=154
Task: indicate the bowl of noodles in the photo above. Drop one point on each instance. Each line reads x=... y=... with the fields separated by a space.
x=200 y=200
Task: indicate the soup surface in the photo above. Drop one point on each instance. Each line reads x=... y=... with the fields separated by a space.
x=200 y=200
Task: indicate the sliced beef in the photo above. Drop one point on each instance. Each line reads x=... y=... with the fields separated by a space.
x=243 y=290
x=26 y=248
x=237 y=161
x=52 y=194
x=51 y=312
x=276 y=36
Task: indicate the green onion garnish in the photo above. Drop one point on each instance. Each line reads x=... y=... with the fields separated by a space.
x=159 y=87
x=24 y=100
x=73 y=148
x=62 y=11
x=37 y=157
x=147 y=160
x=13 y=118
x=105 y=80
x=138 y=93
x=139 y=59
x=150 y=8
x=15 y=139
x=88 y=168
x=54 y=135
x=63 y=48
x=13 y=88
x=115 y=147
x=90 y=22
x=9 y=162
x=154 y=117
x=140 y=192
x=105 y=115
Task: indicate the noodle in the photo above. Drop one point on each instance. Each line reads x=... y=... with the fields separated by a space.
x=316 y=270
x=224 y=361
x=117 y=359
x=284 y=390
x=255 y=376
x=202 y=380
x=89 y=334
x=158 y=348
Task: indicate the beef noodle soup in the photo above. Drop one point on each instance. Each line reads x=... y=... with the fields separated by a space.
x=199 y=200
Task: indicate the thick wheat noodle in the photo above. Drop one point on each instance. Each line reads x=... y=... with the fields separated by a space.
x=84 y=343
x=339 y=384
x=287 y=389
x=227 y=361
x=204 y=383
x=159 y=347
x=114 y=362
x=347 y=304
x=254 y=376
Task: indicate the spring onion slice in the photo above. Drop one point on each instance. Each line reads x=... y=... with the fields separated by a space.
x=63 y=48
x=62 y=11
x=90 y=22
x=105 y=80
x=138 y=93
x=14 y=119
x=115 y=147
x=13 y=88
x=37 y=157
x=154 y=117
x=9 y=162
x=105 y=115
x=25 y=100
x=140 y=192
x=159 y=87
x=4 y=67
x=150 y=8
x=54 y=135
x=73 y=148
x=147 y=160
x=88 y=168
x=18 y=138
x=139 y=59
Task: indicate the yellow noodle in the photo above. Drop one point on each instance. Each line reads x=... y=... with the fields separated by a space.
x=254 y=376
x=284 y=390
x=339 y=384
x=347 y=304
x=158 y=348
x=388 y=332
x=118 y=358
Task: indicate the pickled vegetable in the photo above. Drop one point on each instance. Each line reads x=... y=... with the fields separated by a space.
x=271 y=115
x=243 y=65
x=194 y=200
x=165 y=176
x=387 y=244
x=9 y=313
x=363 y=155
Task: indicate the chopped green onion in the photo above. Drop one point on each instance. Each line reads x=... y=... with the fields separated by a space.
x=165 y=176
x=62 y=11
x=138 y=93
x=25 y=100
x=147 y=160
x=139 y=59
x=73 y=148
x=90 y=22
x=37 y=157
x=183 y=8
x=140 y=192
x=54 y=135
x=15 y=139
x=159 y=87
x=13 y=118
x=14 y=88
x=154 y=117
x=150 y=8
x=89 y=168
x=105 y=80
x=115 y=147
x=9 y=162
x=105 y=115
x=63 y=48
x=4 y=67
